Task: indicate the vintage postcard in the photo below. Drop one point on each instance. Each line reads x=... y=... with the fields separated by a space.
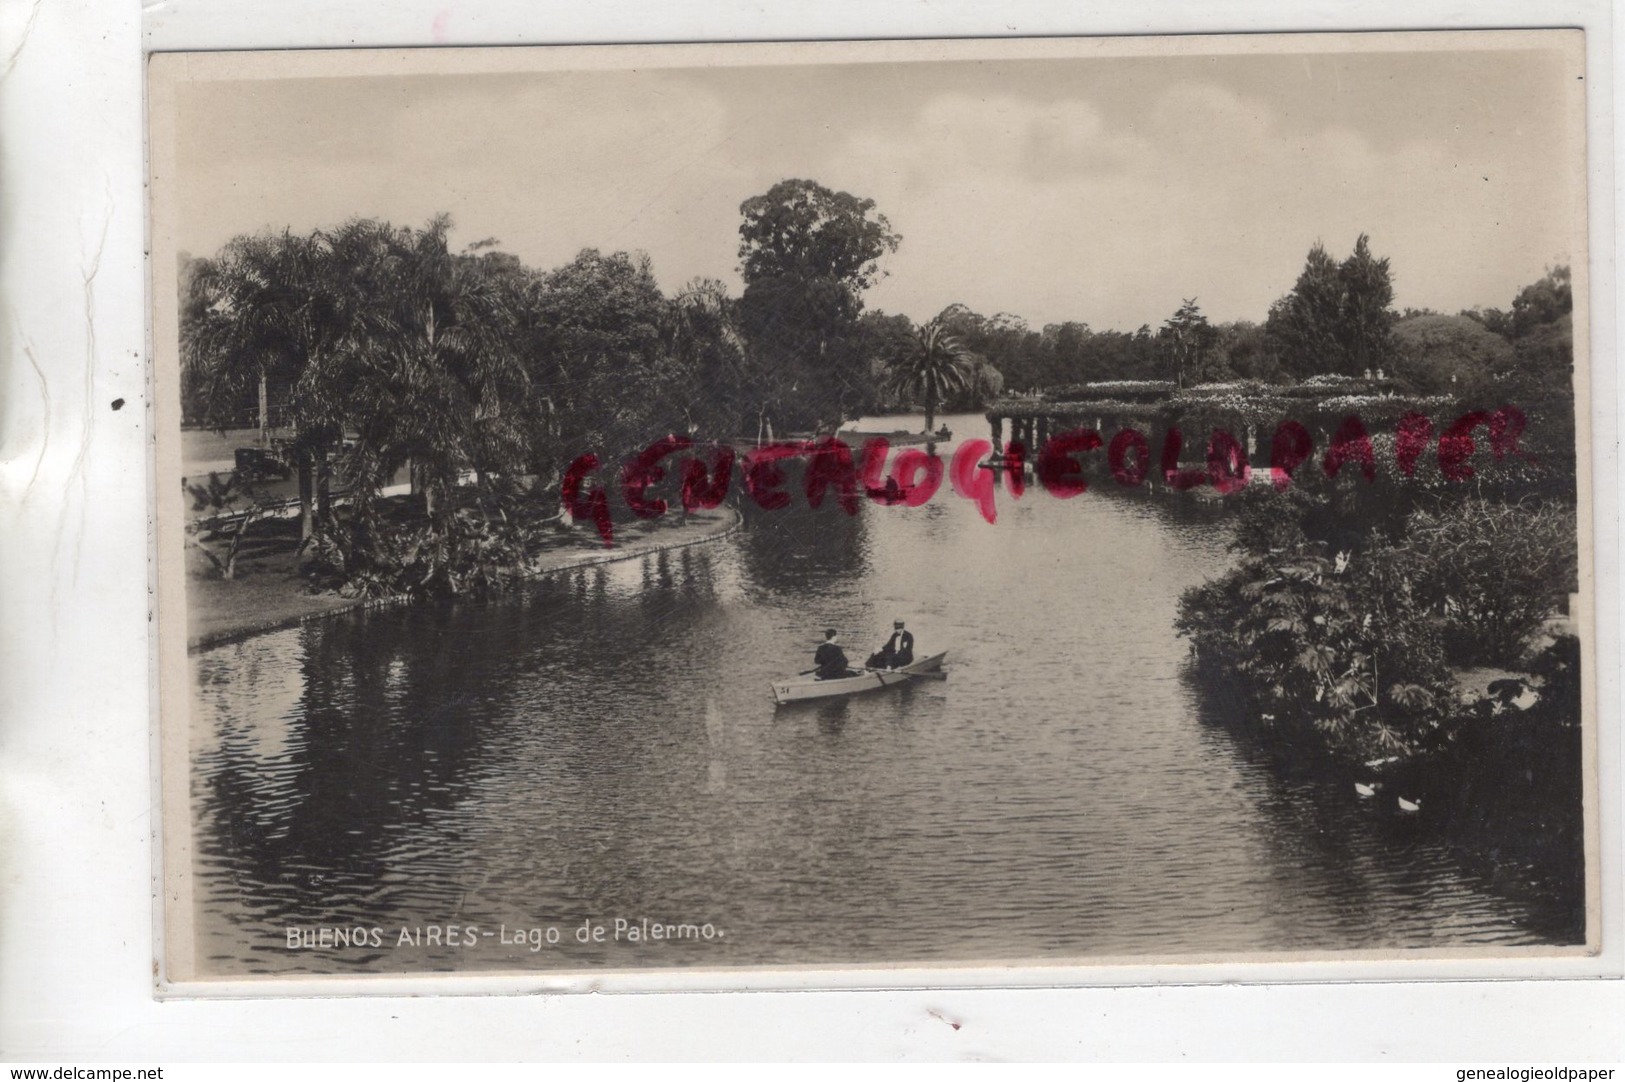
x=984 y=507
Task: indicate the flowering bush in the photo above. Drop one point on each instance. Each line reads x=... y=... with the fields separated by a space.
x=1102 y=408
x=1071 y=391
x=1232 y=409
x=1240 y=386
x=1122 y=385
x=1383 y=407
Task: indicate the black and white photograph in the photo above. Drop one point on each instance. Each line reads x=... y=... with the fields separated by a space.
x=888 y=506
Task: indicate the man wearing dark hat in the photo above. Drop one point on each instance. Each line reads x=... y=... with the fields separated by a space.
x=898 y=652
x=830 y=659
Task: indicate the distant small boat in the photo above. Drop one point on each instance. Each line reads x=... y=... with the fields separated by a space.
x=997 y=462
x=1375 y=763
x=1365 y=790
x=892 y=493
x=902 y=438
x=803 y=687
x=1409 y=806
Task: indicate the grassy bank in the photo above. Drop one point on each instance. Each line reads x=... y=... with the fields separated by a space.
x=271 y=586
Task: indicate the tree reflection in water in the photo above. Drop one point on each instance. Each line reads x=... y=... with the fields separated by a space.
x=801 y=550
x=395 y=717
x=363 y=765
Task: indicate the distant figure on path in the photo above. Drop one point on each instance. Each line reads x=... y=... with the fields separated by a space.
x=830 y=658
x=897 y=653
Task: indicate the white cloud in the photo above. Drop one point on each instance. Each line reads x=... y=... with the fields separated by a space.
x=1049 y=211
x=1107 y=202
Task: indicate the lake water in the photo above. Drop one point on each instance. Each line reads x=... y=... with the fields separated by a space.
x=606 y=747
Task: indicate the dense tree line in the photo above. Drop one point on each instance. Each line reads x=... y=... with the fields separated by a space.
x=386 y=350
x=1338 y=319
x=378 y=351
x=1526 y=352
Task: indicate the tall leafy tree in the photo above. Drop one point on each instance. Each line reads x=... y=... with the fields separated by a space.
x=1067 y=354
x=983 y=383
x=801 y=230
x=883 y=336
x=1543 y=336
x=1000 y=344
x=807 y=254
x=1114 y=355
x=1338 y=317
x=1545 y=301
x=1245 y=352
x=702 y=332
x=601 y=357
x=1302 y=326
x=1366 y=329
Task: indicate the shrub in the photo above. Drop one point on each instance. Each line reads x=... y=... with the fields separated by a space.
x=228 y=520
x=1349 y=633
x=1494 y=572
x=468 y=552
x=1454 y=354
x=1337 y=647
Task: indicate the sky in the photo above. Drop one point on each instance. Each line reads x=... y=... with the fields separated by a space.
x=1097 y=188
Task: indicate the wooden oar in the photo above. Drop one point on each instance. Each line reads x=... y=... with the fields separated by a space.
x=932 y=674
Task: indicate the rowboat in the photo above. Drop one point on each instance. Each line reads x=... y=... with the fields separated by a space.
x=800 y=688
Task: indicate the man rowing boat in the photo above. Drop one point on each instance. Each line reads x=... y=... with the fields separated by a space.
x=830 y=659
x=898 y=652
x=832 y=678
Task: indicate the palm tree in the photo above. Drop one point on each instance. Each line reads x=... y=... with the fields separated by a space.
x=456 y=322
x=262 y=313
x=432 y=373
x=933 y=366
